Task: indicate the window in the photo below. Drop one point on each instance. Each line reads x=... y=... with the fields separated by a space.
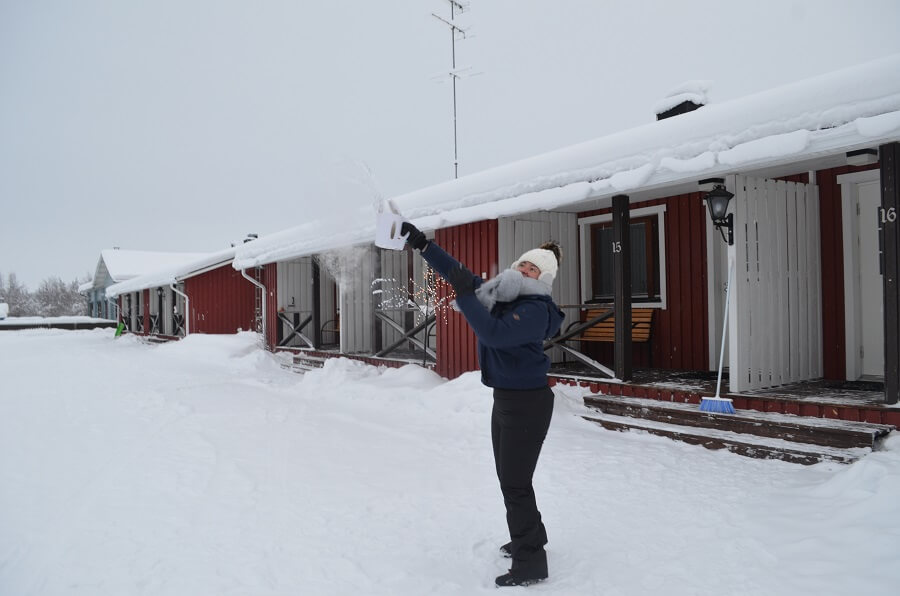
x=648 y=265
x=644 y=261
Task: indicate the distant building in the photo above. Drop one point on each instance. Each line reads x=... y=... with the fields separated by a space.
x=116 y=265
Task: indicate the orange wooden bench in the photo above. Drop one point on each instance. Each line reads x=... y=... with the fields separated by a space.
x=605 y=330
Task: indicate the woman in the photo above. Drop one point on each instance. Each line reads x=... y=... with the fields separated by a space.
x=511 y=316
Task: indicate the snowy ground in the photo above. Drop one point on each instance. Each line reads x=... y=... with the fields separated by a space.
x=202 y=468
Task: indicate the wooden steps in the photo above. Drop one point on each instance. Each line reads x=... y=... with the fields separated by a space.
x=767 y=435
x=810 y=402
x=302 y=362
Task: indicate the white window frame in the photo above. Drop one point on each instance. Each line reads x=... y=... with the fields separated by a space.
x=584 y=228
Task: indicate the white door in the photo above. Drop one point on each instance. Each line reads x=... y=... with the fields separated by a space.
x=870 y=282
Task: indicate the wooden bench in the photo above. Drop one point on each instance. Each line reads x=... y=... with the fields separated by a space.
x=605 y=330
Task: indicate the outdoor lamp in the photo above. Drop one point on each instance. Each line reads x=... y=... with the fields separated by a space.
x=717 y=200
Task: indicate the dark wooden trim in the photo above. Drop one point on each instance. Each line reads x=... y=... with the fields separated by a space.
x=890 y=207
x=145 y=324
x=316 y=304
x=622 y=265
x=160 y=311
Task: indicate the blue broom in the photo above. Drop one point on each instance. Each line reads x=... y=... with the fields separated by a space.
x=721 y=405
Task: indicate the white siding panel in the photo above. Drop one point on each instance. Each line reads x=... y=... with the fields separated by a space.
x=777 y=293
x=782 y=333
x=527 y=231
x=815 y=297
x=357 y=316
x=739 y=371
x=394 y=289
x=294 y=295
x=803 y=278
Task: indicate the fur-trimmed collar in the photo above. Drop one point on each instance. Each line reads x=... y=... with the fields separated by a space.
x=509 y=285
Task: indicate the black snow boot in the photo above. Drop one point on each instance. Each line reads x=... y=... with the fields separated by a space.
x=525 y=572
x=508 y=580
x=506 y=550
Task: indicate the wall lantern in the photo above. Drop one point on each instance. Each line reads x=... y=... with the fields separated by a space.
x=717 y=200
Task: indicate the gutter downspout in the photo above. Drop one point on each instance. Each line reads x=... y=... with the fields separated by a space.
x=187 y=309
x=263 y=314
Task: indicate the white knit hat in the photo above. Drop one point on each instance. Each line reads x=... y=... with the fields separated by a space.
x=543 y=259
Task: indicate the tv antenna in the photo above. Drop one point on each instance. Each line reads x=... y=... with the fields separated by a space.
x=456 y=33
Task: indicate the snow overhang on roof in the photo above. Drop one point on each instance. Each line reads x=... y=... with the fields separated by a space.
x=164 y=276
x=832 y=113
x=86 y=287
x=127 y=264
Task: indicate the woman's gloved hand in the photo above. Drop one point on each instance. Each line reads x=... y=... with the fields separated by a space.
x=462 y=280
x=416 y=237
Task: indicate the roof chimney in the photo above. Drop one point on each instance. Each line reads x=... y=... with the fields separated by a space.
x=250 y=238
x=687 y=97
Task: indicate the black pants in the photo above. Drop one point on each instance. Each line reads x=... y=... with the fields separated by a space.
x=519 y=423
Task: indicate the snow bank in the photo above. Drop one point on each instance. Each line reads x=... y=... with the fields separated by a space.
x=203 y=467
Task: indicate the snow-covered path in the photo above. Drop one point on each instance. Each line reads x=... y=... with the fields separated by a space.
x=203 y=468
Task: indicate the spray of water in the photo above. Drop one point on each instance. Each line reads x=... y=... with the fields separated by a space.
x=344 y=264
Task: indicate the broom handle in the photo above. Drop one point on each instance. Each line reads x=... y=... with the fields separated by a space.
x=724 y=325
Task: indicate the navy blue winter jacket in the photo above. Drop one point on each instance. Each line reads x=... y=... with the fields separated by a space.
x=511 y=336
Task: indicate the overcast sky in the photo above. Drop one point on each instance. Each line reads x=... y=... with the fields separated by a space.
x=183 y=125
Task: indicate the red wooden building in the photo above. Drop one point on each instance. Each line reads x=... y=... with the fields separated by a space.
x=810 y=166
x=203 y=295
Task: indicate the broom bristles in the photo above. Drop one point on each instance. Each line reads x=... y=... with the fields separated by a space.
x=719 y=405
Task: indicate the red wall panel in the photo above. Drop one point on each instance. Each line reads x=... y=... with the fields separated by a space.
x=222 y=301
x=269 y=279
x=680 y=332
x=475 y=246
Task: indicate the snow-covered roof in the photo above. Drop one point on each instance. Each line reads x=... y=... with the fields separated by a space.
x=828 y=114
x=126 y=264
x=165 y=275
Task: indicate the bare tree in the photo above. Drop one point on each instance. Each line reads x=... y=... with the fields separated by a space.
x=56 y=298
x=21 y=302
